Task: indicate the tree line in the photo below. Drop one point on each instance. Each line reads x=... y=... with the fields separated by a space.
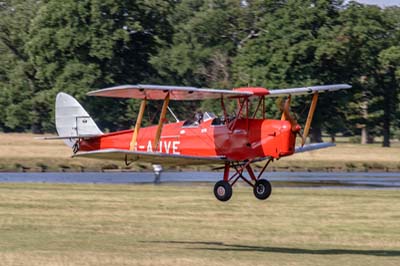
x=75 y=46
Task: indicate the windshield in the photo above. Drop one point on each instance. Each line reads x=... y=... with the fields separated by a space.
x=208 y=115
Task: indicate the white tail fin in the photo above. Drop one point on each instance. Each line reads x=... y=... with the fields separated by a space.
x=72 y=120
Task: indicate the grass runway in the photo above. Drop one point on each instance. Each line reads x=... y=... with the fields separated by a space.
x=57 y=224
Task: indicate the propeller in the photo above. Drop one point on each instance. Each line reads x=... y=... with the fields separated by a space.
x=285 y=108
x=286 y=115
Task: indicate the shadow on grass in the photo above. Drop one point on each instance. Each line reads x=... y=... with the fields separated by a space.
x=220 y=246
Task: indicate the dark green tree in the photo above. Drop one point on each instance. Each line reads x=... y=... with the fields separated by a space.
x=76 y=46
x=371 y=36
x=18 y=83
x=207 y=36
x=290 y=51
x=203 y=43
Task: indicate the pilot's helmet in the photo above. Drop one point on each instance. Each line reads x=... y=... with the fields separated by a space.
x=198 y=116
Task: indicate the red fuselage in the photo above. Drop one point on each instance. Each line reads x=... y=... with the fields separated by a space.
x=248 y=139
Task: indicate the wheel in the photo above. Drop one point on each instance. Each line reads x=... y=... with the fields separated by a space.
x=262 y=189
x=223 y=190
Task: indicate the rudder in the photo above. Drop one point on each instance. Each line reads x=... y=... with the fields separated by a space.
x=72 y=120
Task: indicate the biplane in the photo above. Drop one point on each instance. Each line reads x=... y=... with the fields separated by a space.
x=233 y=141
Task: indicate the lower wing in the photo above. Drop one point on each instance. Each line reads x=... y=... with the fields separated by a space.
x=174 y=159
x=150 y=157
x=314 y=146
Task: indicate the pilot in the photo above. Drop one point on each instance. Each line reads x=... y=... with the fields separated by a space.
x=198 y=116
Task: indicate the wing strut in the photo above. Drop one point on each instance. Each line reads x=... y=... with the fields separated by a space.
x=309 y=117
x=161 y=122
x=138 y=124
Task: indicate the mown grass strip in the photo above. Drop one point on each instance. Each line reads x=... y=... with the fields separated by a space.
x=56 y=224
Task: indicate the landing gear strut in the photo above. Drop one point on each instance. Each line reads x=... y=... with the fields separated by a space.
x=261 y=188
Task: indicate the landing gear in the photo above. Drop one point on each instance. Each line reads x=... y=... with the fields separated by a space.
x=262 y=189
x=223 y=189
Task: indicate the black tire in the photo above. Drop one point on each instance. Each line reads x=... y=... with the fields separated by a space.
x=223 y=190
x=262 y=189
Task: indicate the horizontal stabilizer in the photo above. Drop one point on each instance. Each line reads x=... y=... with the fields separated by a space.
x=149 y=157
x=314 y=146
x=70 y=137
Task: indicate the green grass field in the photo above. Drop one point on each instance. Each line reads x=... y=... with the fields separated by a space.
x=49 y=224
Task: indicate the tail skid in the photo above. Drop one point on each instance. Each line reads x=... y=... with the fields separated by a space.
x=72 y=120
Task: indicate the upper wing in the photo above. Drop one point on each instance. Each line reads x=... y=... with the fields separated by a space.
x=158 y=92
x=307 y=90
x=150 y=157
